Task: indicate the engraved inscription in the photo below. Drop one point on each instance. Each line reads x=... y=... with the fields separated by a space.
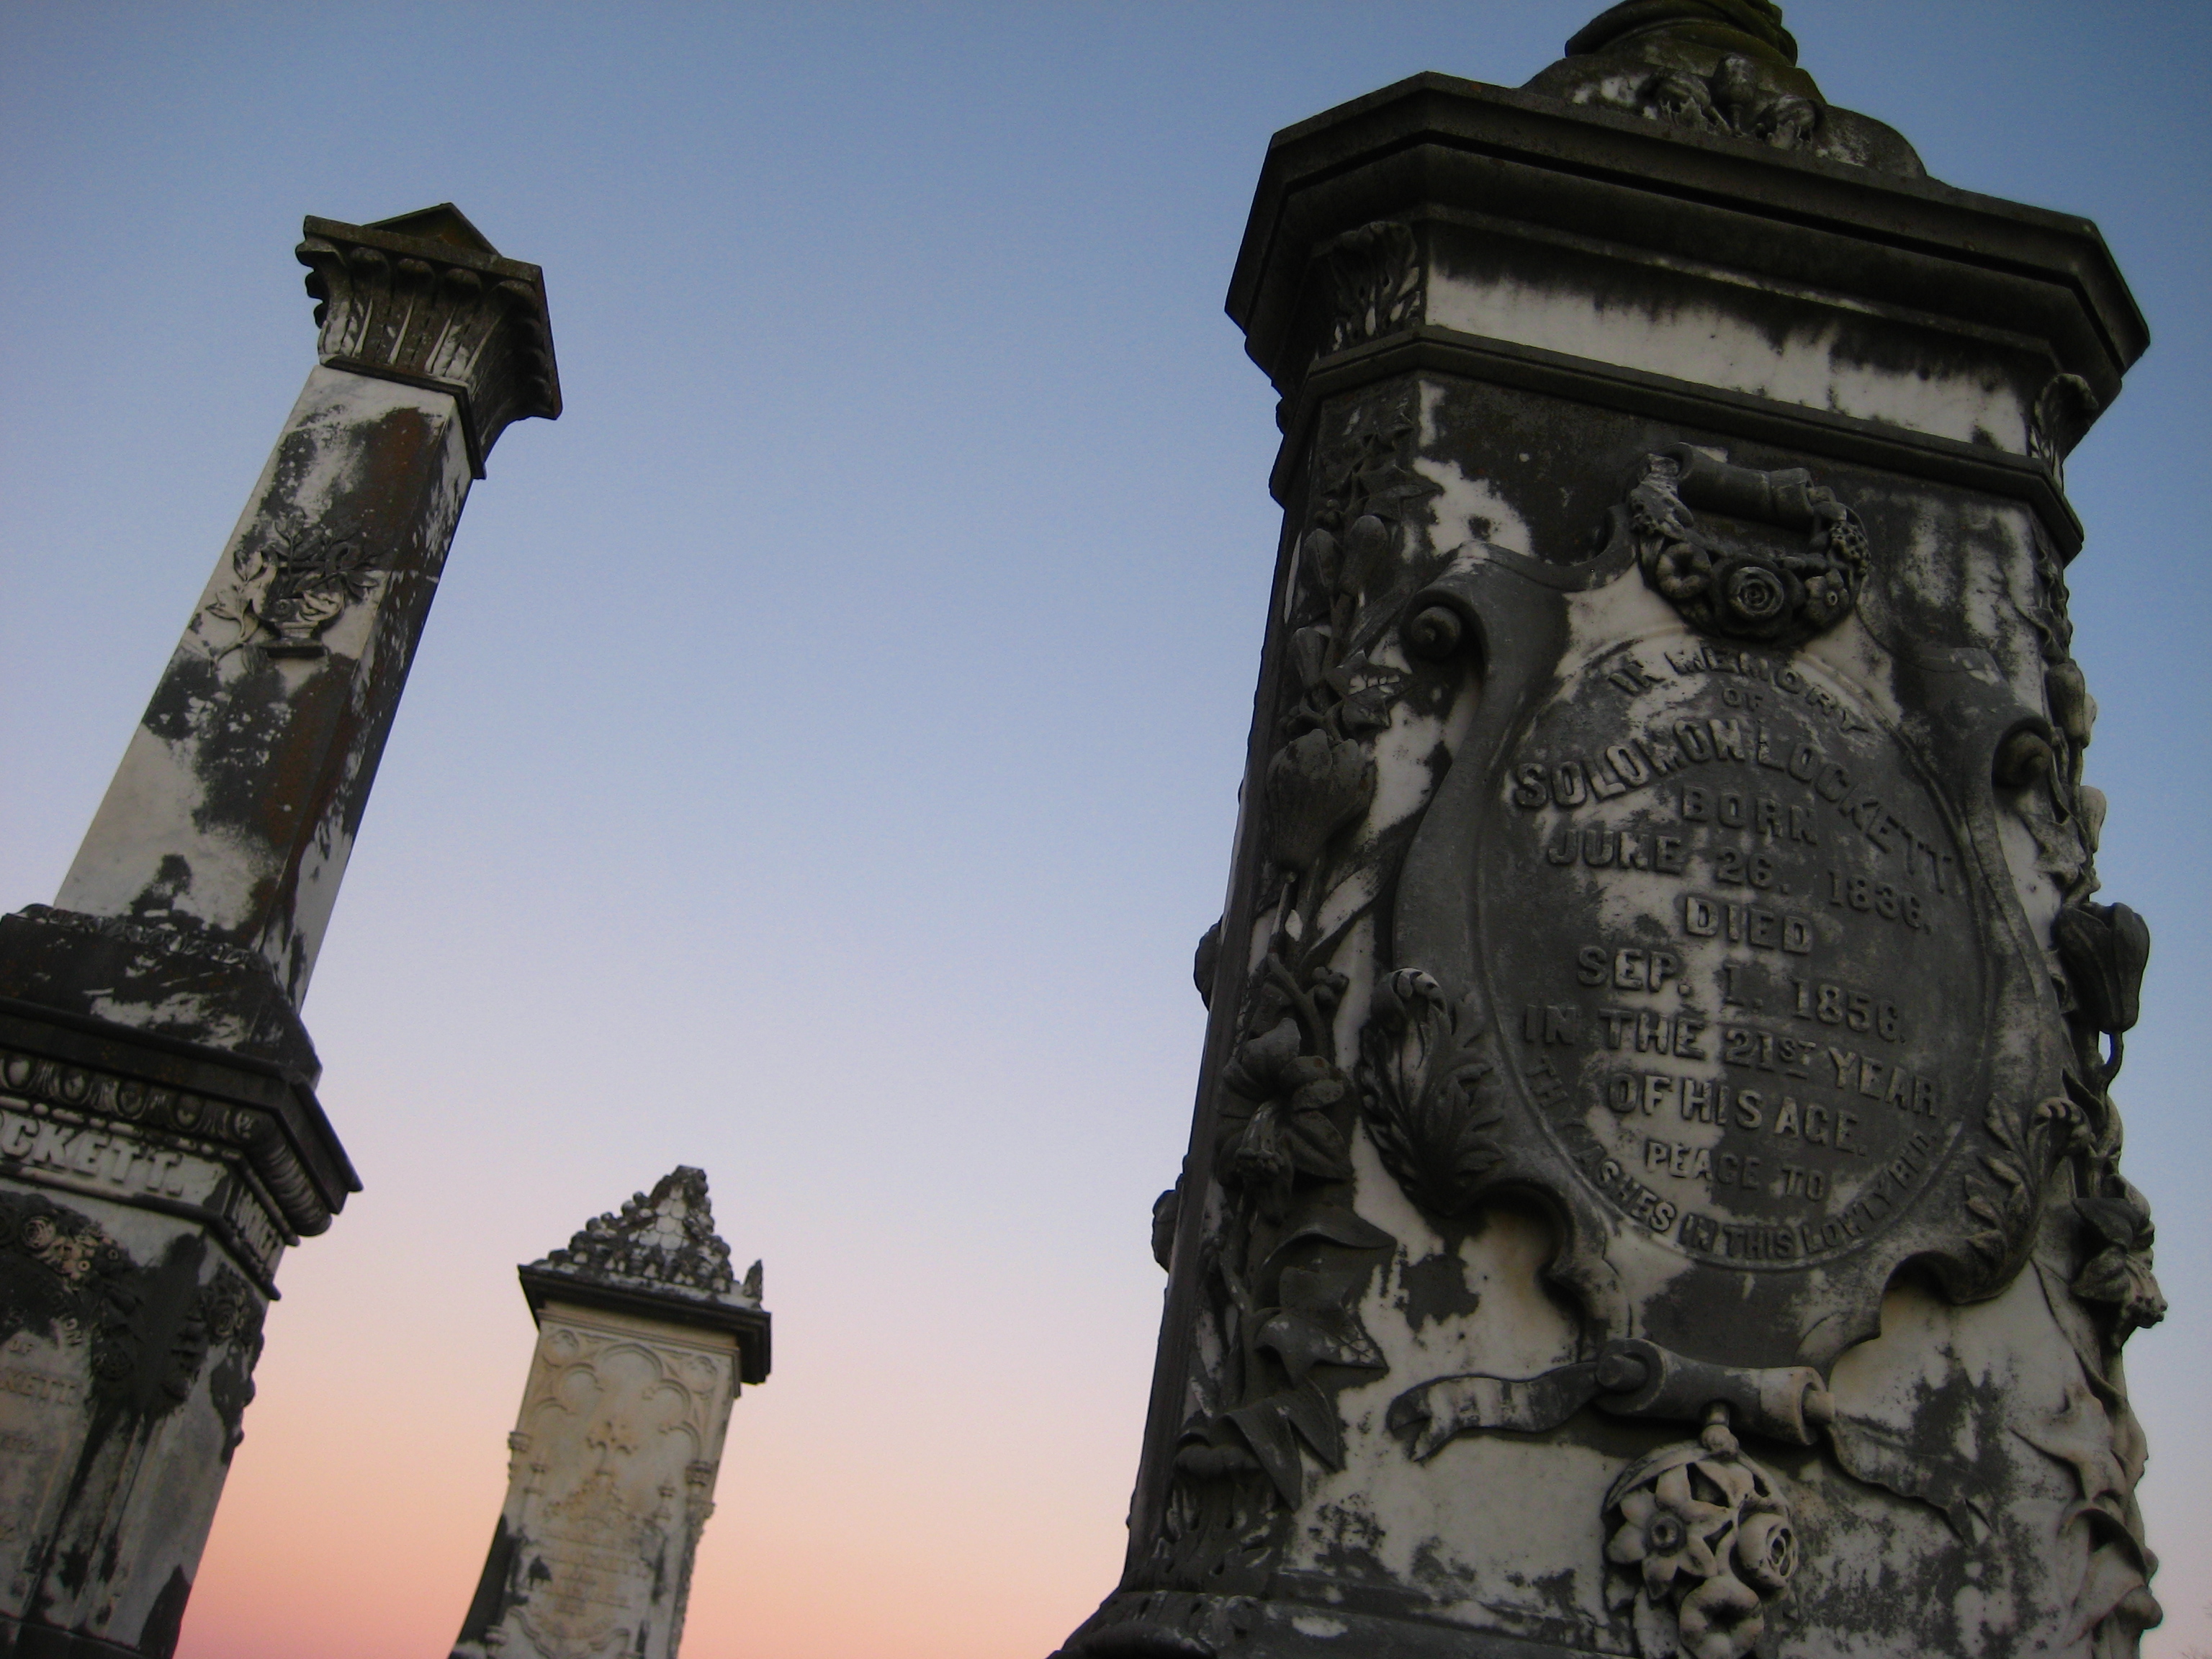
x=1735 y=950
x=94 y=1153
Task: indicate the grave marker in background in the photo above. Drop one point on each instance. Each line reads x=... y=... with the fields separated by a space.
x=644 y=1337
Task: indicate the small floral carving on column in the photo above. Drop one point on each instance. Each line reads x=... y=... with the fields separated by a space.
x=1699 y=1541
x=1741 y=581
x=289 y=589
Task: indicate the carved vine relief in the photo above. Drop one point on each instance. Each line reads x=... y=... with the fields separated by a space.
x=2095 y=1266
x=1699 y=1536
x=1284 y=1259
x=150 y=1330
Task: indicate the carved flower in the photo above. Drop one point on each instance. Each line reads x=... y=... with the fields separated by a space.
x=1720 y=1619
x=1682 y=570
x=1684 y=99
x=1666 y=1529
x=1709 y=1541
x=1766 y=1551
x=2106 y=948
x=2118 y=1275
x=1276 y=1122
x=1756 y=596
x=1827 y=597
x=1787 y=122
x=1315 y=785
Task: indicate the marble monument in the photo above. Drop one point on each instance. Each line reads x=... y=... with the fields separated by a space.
x=1655 y=1184
x=644 y=1337
x=160 y=1143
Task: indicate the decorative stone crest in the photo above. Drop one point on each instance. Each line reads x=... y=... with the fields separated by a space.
x=1728 y=574
x=664 y=1240
x=1724 y=69
x=1373 y=279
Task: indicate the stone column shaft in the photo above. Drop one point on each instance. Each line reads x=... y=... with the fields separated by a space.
x=160 y=1143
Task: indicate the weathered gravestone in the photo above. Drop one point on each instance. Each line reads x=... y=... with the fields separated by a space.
x=644 y=1336
x=1655 y=1179
x=161 y=1143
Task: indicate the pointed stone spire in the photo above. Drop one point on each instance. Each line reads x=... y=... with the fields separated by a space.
x=664 y=1241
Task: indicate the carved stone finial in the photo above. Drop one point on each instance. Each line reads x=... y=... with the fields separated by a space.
x=1750 y=27
x=1722 y=68
x=426 y=299
x=665 y=1239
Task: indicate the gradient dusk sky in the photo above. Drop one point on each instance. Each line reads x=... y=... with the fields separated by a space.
x=821 y=760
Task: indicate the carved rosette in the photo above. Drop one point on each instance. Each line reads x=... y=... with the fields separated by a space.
x=427 y=301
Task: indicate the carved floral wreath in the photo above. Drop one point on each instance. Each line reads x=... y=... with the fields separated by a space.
x=1775 y=595
x=1700 y=1541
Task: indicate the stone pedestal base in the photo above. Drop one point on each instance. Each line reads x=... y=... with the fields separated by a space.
x=141 y=1224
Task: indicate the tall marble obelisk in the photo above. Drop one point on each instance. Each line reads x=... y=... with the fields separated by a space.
x=1655 y=1183
x=161 y=1143
x=644 y=1337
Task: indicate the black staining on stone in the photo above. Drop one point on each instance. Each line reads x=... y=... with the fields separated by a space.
x=1435 y=1289
x=164 y=1619
x=489 y=1605
x=1349 y=1542
x=157 y=899
x=232 y=1316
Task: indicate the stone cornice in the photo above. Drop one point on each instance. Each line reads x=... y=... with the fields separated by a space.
x=1660 y=197
x=150 y=1085
x=542 y=1287
x=443 y=310
x=1758 y=420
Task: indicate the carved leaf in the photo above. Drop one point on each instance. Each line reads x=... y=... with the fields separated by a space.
x=1266 y=1427
x=1423 y=1077
x=1334 y=1224
x=1310 y=1412
x=1301 y=1341
x=1316 y=1147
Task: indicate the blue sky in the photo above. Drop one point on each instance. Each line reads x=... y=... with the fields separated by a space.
x=822 y=758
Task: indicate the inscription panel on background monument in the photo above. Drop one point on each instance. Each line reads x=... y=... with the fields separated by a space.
x=1734 y=954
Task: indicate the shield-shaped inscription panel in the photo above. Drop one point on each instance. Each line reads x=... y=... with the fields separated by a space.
x=1752 y=956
